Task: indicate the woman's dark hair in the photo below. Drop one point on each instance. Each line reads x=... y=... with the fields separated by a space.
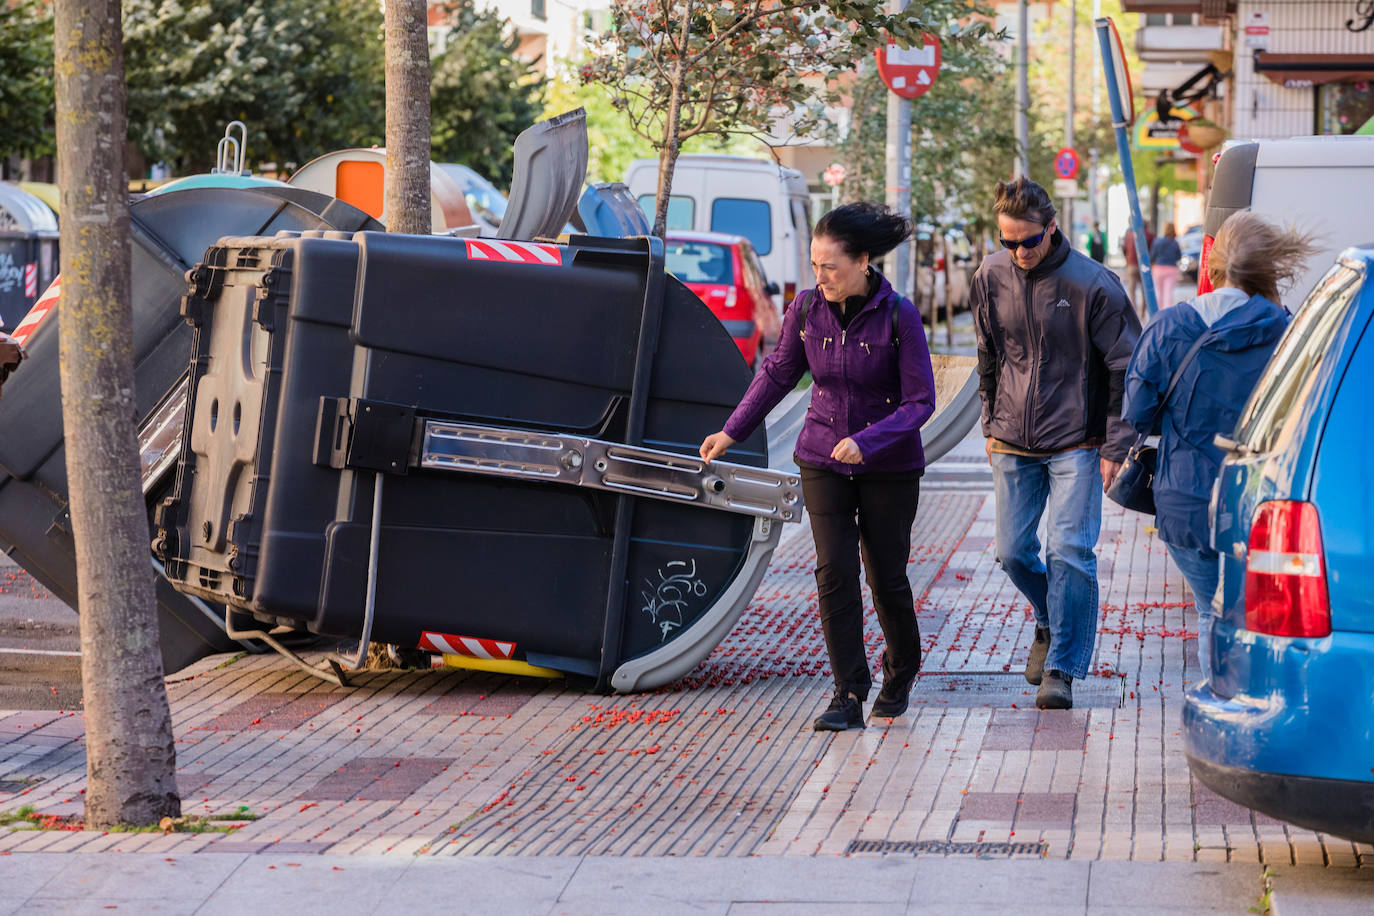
x=864 y=228
x=1022 y=198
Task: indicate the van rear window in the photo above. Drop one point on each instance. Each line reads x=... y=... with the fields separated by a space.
x=752 y=219
x=681 y=210
x=1311 y=340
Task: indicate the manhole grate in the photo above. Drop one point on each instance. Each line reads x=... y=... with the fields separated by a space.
x=1001 y=689
x=946 y=848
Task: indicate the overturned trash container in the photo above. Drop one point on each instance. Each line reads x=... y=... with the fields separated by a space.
x=469 y=446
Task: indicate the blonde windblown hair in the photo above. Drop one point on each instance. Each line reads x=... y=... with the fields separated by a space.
x=1255 y=256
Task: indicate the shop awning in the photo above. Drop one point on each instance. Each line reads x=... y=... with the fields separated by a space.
x=1296 y=71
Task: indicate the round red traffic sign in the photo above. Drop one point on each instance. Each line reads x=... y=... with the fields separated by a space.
x=909 y=72
x=1066 y=163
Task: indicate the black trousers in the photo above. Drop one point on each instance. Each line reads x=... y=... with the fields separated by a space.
x=872 y=513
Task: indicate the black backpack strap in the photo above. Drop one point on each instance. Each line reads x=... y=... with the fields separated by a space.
x=896 y=305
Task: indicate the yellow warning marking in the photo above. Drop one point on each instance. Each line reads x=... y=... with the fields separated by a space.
x=499 y=665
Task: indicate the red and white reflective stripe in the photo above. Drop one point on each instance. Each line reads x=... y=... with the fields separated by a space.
x=1283 y=564
x=470 y=646
x=514 y=252
x=40 y=309
x=30 y=280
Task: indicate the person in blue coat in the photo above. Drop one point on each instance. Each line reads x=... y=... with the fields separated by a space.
x=1240 y=323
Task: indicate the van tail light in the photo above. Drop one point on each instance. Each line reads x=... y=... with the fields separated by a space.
x=1204 y=282
x=1285 y=572
x=789 y=292
x=731 y=297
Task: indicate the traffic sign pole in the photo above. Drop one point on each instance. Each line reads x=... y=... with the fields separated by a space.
x=1120 y=123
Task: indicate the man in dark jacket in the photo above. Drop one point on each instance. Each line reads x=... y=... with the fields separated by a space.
x=1055 y=333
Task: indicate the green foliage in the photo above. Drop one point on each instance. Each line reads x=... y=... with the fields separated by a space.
x=612 y=142
x=481 y=95
x=26 y=88
x=306 y=77
x=686 y=68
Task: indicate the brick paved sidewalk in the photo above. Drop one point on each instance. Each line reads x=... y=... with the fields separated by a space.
x=452 y=763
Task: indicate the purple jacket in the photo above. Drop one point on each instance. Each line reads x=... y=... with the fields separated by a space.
x=862 y=388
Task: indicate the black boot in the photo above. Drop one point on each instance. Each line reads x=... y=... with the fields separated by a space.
x=1035 y=665
x=1056 y=692
x=891 y=702
x=844 y=712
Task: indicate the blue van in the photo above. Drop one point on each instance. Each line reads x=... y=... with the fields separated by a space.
x=1286 y=724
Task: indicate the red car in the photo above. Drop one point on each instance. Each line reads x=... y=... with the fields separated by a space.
x=724 y=272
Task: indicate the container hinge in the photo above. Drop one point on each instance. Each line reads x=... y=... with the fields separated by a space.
x=365 y=435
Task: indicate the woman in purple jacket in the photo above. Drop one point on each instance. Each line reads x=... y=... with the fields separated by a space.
x=859 y=450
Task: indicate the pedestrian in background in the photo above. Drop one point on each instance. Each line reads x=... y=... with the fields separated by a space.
x=1055 y=331
x=1134 y=286
x=859 y=450
x=1097 y=243
x=1234 y=329
x=1164 y=258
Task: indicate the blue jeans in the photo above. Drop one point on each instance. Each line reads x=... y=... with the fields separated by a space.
x=1062 y=587
x=1202 y=568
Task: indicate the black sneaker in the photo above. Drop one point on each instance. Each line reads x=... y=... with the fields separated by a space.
x=891 y=704
x=844 y=712
x=1056 y=692
x=1035 y=665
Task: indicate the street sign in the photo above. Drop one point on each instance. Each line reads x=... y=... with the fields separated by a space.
x=1066 y=163
x=909 y=72
x=1257 y=31
x=834 y=175
x=1065 y=187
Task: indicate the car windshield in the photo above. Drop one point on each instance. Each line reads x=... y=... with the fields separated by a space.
x=1296 y=364
x=699 y=262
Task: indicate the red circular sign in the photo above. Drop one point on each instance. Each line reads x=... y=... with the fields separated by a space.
x=909 y=72
x=1066 y=163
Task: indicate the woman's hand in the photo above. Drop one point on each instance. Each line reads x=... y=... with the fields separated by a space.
x=715 y=445
x=846 y=452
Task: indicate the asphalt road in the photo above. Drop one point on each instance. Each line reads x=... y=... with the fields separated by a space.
x=39 y=643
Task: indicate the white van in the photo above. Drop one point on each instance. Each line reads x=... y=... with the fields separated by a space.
x=1323 y=185
x=741 y=195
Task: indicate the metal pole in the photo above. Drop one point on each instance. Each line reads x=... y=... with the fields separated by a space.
x=1022 y=166
x=1123 y=149
x=1068 y=113
x=1092 y=153
x=899 y=176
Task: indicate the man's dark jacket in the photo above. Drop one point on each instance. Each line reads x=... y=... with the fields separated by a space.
x=1053 y=346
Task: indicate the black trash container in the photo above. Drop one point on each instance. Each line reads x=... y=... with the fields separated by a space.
x=494 y=439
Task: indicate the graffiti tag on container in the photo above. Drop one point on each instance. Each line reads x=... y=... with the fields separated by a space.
x=666 y=601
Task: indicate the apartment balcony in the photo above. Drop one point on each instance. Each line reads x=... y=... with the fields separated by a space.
x=1207 y=9
x=1182 y=44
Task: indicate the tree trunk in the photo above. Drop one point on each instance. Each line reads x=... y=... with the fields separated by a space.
x=407 y=202
x=672 y=125
x=667 y=158
x=130 y=758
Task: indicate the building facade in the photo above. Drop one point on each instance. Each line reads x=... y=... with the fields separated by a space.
x=1303 y=67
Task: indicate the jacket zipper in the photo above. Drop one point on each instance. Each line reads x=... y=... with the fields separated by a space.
x=1035 y=359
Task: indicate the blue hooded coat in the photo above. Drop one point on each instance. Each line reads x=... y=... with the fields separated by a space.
x=1242 y=332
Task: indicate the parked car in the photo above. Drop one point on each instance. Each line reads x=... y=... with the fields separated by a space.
x=1190 y=244
x=724 y=272
x=1286 y=723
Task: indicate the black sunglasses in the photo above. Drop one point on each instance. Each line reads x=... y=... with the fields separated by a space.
x=1031 y=242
